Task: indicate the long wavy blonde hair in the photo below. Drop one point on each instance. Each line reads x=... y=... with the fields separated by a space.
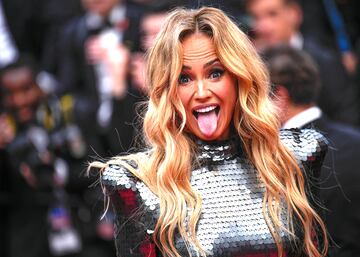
x=167 y=170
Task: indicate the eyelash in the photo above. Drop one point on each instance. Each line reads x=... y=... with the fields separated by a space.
x=218 y=71
x=186 y=77
x=182 y=77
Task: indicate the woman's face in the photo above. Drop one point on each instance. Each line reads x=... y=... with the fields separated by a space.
x=206 y=89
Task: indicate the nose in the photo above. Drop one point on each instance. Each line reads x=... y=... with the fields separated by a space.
x=19 y=99
x=202 y=91
x=263 y=26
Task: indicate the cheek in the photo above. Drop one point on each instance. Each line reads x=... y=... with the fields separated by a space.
x=230 y=97
x=228 y=91
x=34 y=94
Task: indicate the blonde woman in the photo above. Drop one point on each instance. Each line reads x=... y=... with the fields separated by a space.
x=217 y=179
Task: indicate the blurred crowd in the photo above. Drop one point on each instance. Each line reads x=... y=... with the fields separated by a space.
x=72 y=86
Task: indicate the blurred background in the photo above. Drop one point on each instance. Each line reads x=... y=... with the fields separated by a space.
x=71 y=81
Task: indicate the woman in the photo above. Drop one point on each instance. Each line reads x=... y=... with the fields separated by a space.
x=217 y=179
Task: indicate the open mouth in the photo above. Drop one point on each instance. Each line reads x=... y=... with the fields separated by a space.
x=207 y=119
x=206 y=110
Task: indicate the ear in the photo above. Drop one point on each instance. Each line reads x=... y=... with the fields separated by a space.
x=282 y=98
x=282 y=102
x=296 y=14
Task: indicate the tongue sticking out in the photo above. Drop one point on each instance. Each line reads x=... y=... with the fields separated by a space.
x=207 y=122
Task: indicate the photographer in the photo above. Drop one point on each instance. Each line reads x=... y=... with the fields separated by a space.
x=45 y=151
x=5 y=136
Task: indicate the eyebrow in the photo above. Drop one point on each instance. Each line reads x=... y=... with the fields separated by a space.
x=205 y=65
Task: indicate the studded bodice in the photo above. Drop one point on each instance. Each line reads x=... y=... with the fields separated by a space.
x=232 y=221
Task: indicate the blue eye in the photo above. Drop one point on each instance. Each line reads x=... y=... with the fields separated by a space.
x=217 y=73
x=183 y=79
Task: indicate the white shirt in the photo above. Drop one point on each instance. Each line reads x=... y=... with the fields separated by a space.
x=109 y=38
x=303 y=118
x=297 y=41
x=8 y=51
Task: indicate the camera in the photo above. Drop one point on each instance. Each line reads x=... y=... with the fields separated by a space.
x=34 y=148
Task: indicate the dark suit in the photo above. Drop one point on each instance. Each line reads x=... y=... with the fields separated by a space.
x=340 y=181
x=5 y=201
x=35 y=26
x=78 y=78
x=337 y=97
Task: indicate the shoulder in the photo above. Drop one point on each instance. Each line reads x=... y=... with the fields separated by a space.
x=326 y=54
x=73 y=33
x=308 y=145
x=297 y=139
x=118 y=175
x=72 y=26
x=344 y=131
x=122 y=182
x=119 y=172
x=344 y=145
x=134 y=11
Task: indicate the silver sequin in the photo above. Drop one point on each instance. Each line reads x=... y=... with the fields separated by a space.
x=232 y=219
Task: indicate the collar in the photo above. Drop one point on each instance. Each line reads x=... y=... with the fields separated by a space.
x=297 y=41
x=218 y=151
x=303 y=118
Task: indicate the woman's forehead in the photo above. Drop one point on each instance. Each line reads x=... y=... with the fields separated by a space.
x=197 y=47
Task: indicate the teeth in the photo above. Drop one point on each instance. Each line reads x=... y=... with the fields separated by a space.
x=206 y=109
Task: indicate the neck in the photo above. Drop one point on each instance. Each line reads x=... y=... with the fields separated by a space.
x=293 y=110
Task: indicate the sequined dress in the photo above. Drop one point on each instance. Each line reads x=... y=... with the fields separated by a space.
x=232 y=223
